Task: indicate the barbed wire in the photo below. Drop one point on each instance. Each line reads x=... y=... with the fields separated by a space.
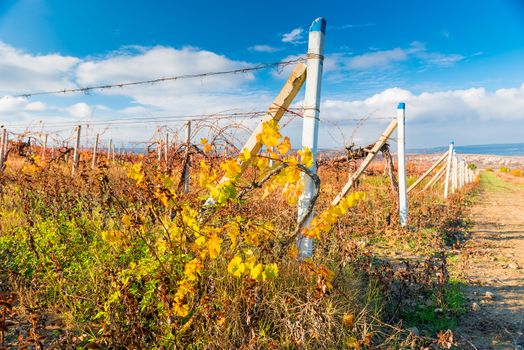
x=279 y=65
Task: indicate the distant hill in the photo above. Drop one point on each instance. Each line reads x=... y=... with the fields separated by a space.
x=502 y=149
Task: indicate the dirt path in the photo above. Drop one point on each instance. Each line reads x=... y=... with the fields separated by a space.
x=492 y=265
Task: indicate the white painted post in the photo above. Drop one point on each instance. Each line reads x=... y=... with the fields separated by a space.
x=448 y=169
x=462 y=168
x=95 y=150
x=401 y=153
x=315 y=61
x=188 y=145
x=44 y=148
x=76 y=155
x=454 y=180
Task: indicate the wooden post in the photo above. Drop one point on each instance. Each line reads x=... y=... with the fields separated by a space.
x=6 y=145
x=436 y=164
x=166 y=151
x=2 y=155
x=275 y=112
x=44 y=148
x=188 y=163
x=159 y=151
x=365 y=163
x=95 y=150
x=113 y=153
x=401 y=155
x=109 y=150
x=448 y=169
x=315 y=62
x=76 y=155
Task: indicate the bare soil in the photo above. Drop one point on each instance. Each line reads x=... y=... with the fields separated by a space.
x=492 y=263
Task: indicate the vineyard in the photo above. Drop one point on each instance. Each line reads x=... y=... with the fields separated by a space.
x=208 y=241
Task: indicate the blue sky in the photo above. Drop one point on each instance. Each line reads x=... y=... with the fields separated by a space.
x=453 y=62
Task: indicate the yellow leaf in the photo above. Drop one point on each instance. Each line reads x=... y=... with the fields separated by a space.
x=236 y=267
x=257 y=273
x=271 y=271
x=192 y=269
x=284 y=146
x=214 y=244
x=231 y=167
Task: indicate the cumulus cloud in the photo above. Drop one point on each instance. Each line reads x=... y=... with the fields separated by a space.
x=146 y=63
x=434 y=118
x=80 y=110
x=294 y=37
x=23 y=72
x=442 y=106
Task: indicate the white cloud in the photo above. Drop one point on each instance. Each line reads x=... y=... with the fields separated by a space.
x=21 y=71
x=36 y=106
x=264 y=48
x=294 y=37
x=469 y=116
x=415 y=52
x=80 y=110
x=377 y=59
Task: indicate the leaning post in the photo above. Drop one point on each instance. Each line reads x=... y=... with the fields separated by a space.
x=315 y=59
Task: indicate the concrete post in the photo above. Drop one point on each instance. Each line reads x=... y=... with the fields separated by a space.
x=315 y=61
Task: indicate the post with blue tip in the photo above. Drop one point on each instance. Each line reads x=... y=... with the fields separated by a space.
x=448 y=169
x=401 y=154
x=315 y=59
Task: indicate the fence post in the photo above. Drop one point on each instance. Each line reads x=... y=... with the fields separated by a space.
x=315 y=58
x=454 y=179
x=95 y=150
x=113 y=154
x=6 y=144
x=2 y=153
x=448 y=168
x=44 y=148
x=401 y=154
x=159 y=151
x=187 y=165
x=76 y=155
x=462 y=168
x=166 y=151
x=109 y=150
